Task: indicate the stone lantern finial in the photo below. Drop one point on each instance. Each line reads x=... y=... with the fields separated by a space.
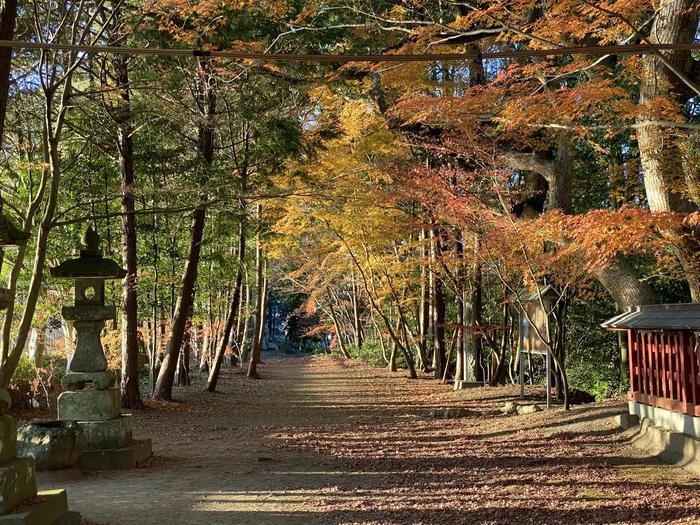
x=91 y=241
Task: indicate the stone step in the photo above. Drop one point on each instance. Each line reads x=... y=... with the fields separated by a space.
x=17 y=483
x=117 y=459
x=51 y=509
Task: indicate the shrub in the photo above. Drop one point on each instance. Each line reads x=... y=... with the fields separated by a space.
x=39 y=384
x=370 y=353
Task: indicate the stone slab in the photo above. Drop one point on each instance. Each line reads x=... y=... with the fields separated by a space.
x=625 y=421
x=8 y=438
x=17 y=483
x=89 y=405
x=111 y=434
x=52 y=509
x=117 y=459
x=98 y=380
x=53 y=445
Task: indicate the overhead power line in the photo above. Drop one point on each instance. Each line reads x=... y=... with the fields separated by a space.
x=627 y=49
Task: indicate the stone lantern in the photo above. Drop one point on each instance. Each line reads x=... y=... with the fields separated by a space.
x=91 y=397
x=89 y=313
x=20 y=502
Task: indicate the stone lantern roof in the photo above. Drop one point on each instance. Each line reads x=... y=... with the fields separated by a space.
x=90 y=264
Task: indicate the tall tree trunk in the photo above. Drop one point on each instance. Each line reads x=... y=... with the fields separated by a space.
x=155 y=311
x=438 y=306
x=234 y=309
x=243 y=344
x=166 y=374
x=357 y=325
x=392 y=355
x=661 y=157
x=459 y=313
x=183 y=306
x=32 y=209
x=183 y=359
x=424 y=305
x=131 y=396
x=259 y=303
x=472 y=319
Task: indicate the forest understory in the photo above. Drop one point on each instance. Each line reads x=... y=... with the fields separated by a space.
x=322 y=440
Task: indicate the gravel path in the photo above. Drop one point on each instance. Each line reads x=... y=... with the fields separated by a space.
x=319 y=440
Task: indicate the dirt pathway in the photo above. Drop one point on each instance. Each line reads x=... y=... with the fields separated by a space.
x=318 y=440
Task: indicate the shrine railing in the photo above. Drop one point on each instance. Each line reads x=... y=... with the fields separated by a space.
x=664 y=369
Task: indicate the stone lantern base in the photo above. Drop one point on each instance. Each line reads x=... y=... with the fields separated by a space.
x=109 y=442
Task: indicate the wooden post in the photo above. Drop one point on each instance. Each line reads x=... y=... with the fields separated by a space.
x=521 y=360
x=549 y=379
x=692 y=349
x=522 y=374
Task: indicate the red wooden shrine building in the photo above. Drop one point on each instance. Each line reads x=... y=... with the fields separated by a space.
x=664 y=363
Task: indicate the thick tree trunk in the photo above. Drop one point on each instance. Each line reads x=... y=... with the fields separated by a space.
x=392 y=355
x=660 y=153
x=619 y=278
x=623 y=283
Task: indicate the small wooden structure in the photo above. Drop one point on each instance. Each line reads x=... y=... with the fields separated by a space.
x=664 y=363
x=535 y=310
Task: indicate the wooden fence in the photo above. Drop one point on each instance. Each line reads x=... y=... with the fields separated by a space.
x=664 y=369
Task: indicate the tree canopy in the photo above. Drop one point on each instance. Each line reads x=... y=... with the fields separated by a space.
x=390 y=211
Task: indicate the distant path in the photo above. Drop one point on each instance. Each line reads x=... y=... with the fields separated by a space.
x=318 y=440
